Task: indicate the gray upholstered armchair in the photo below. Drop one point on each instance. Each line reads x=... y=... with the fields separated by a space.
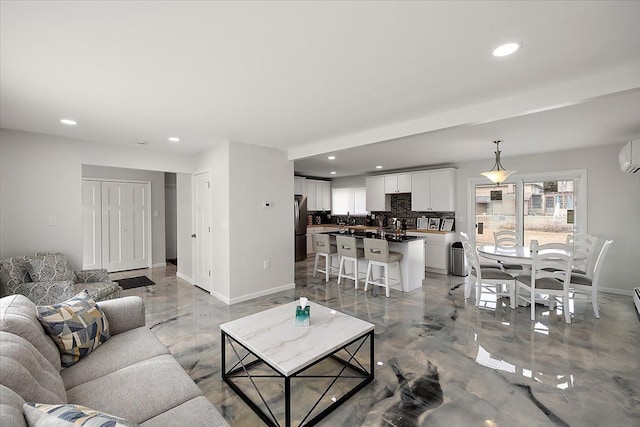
x=47 y=278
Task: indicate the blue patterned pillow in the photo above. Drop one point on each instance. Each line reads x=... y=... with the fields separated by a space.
x=76 y=325
x=42 y=414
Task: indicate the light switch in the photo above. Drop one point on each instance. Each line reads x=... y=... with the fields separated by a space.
x=53 y=221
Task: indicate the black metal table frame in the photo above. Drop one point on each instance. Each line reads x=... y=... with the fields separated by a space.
x=270 y=418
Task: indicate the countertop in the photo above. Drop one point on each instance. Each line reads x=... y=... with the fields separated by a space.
x=373 y=227
x=399 y=238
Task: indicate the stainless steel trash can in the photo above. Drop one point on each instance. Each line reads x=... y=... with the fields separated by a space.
x=458 y=260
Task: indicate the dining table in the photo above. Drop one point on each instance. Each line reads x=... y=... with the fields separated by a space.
x=514 y=255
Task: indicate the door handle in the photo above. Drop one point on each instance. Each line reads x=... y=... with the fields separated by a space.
x=193 y=236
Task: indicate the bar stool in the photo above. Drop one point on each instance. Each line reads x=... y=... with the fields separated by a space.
x=322 y=247
x=376 y=251
x=349 y=252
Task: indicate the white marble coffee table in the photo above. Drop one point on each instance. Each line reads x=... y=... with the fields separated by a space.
x=270 y=338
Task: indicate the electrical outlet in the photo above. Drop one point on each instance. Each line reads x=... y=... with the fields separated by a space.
x=267 y=264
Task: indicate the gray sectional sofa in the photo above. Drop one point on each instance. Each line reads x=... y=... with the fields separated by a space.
x=132 y=375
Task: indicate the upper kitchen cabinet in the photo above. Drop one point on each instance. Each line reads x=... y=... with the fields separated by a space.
x=318 y=195
x=299 y=185
x=433 y=190
x=376 y=198
x=397 y=183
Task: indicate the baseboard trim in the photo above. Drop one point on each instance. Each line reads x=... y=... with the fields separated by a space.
x=160 y=264
x=243 y=298
x=183 y=277
x=626 y=292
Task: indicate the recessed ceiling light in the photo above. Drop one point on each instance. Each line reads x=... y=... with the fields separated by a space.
x=378 y=167
x=174 y=139
x=68 y=122
x=506 y=49
x=333 y=172
x=331 y=157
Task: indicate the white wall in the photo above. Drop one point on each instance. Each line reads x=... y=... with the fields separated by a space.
x=158 y=249
x=613 y=204
x=245 y=234
x=41 y=176
x=349 y=182
x=259 y=174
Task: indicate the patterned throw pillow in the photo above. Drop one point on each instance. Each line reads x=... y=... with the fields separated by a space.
x=76 y=325
x=50 y=268
x=42 y=414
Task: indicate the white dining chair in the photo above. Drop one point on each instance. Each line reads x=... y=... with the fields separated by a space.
x=507 y=239
x=550 y=275
x=584 y=246
x=492 y=279
x=587 y=284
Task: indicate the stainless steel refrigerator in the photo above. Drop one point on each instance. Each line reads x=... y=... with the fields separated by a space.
x=300 y=226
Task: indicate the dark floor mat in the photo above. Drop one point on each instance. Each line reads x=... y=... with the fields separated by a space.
x=135 y=282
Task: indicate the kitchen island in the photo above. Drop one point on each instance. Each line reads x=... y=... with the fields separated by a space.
x=412 y=265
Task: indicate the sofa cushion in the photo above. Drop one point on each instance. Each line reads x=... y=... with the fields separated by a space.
x=119 y=352
x=45 y=293
x=90 y=276
x=26 y=371
x=77 y=326
x=13 y=271
x=159 y=382
x=198 y=411
x=99 y=290
x=11 y=408
x=18 y=316
x=47 y=415
x=49 y=268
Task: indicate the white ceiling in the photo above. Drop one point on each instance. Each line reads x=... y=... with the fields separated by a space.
x=319 y=77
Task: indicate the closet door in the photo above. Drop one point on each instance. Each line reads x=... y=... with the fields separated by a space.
x=125 y=225
x=91 y=225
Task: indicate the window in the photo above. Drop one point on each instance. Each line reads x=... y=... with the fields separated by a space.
x=349 y=200
x=543 y=207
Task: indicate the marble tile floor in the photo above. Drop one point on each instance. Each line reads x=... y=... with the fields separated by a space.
x=441 y=363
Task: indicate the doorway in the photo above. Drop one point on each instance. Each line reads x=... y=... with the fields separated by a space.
x=201 y=237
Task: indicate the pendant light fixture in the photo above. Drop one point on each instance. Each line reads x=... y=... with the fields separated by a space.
x=498 y=174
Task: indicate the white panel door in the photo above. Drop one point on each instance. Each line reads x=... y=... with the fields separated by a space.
x=113 y=225
x=125 y=226
x=91 y=225
x=138 y=226
x=202 y=231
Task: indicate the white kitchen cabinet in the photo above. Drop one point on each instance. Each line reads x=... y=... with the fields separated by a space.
x=437 y=250
x=376 y=199
x=397 y=183
x=325 y=195
x=311 y=195
x=318 y=195
x=299 y=185
x=433 y=190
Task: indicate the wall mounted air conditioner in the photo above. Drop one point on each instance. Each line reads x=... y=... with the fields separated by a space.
x=630 y=157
